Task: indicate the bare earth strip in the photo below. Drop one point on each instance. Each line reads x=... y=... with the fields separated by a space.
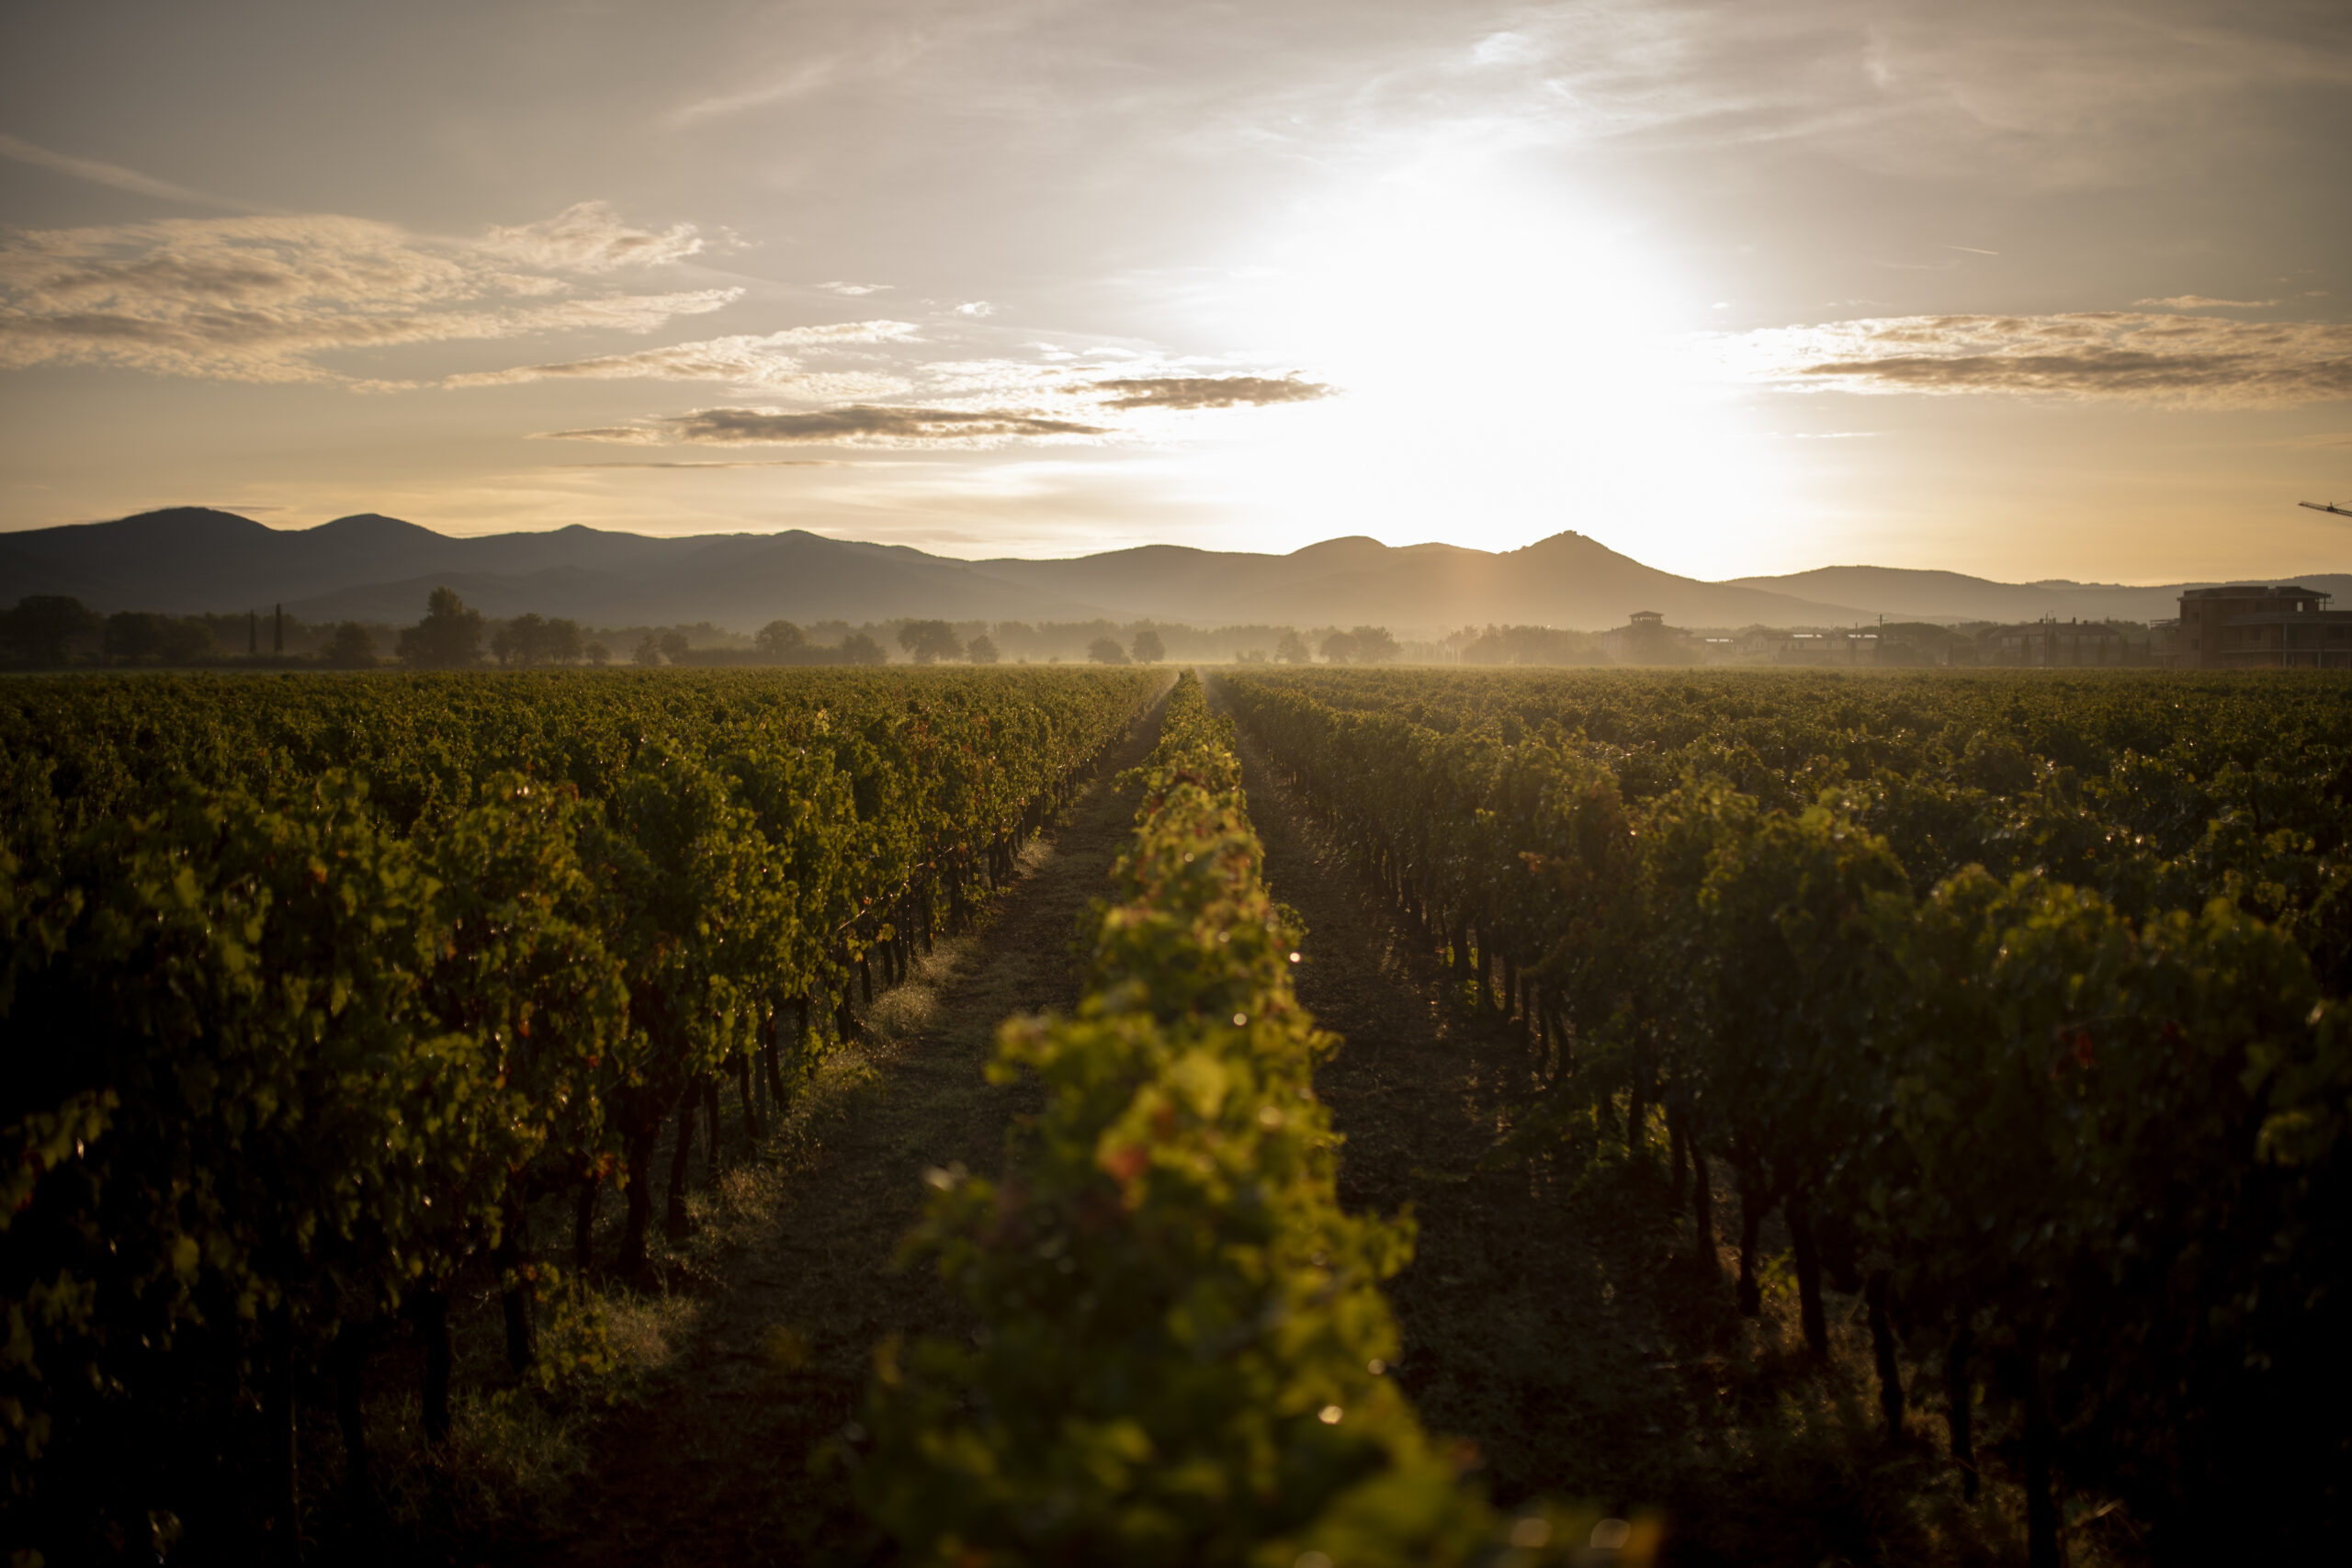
x=713 y=1463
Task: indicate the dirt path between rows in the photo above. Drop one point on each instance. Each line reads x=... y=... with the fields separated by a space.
x=1554 y=1314
x=712 y=1465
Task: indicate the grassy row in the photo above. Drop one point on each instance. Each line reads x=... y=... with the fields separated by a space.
x=1183 y=1342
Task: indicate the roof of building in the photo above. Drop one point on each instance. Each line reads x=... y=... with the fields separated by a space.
x=2254 y=593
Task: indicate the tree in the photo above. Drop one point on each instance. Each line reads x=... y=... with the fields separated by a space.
x=521 y=641
x=980 y=650
x=1291 y=649
x=1148 y=649
x=527 y=641
x=859 y=649
x=673 y=644
x=41 y=625
x=134 y=634
x=187 y=639
x=351 y=647
x=563 y=646
x=450 y=637
x=780 y=642
x=598 y=654
x=144 y=635
x=1340 y=647
x=1374 y=644
x=929 y=642
x=649 y=651
x=1106 y=650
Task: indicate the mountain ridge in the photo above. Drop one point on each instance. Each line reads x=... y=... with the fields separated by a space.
x=369 y=566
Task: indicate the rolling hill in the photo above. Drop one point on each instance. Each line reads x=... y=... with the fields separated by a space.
x=187 y=559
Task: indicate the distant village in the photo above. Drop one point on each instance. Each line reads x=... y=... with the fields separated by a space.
x=2217 y=628
x=2229 y=628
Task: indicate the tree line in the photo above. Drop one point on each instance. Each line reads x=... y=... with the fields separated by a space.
x=53 y=630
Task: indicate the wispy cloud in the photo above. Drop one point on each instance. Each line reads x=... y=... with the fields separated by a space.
x=1210 y=391
x=795 y=82
x=854 y=288
x=117 y=176
x=745 y=463
x=269 y=299
x=589 y=236
x=2185 y=360
x=2200 y=302
x=867 y=424
x=773 y=361
x=2043 y=96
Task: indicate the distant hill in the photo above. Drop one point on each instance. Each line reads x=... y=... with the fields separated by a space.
x=187 y=559
x=1564 y=581
x=370 y=568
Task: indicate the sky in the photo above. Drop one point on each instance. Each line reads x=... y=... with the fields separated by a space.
x=2024 y=290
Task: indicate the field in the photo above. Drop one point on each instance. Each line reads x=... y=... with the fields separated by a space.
x=1598 y=1116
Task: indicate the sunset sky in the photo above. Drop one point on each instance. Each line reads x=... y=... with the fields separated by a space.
x=1733 y=285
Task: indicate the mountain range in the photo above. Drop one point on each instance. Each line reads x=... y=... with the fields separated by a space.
x=370 y=568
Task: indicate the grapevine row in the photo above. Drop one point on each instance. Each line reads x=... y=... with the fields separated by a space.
x=1183 y=1346
x=2047 y=1062
x=312 y=986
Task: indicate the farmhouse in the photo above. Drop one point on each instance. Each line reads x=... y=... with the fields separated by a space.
x=2244 y=627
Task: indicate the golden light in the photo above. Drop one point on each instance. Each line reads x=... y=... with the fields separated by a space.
x=1509 y=366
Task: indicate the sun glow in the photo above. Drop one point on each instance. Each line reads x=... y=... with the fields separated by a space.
x=1509 y=367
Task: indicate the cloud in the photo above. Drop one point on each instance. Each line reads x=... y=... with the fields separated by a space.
x=856 y=425
x=765 y=361
x=263 y=300
x=800 y=81
x=2189 y=360
x=2200 y=302
x=850 y=332
x=745 y=463
x=117 y=176
x=856 y=288
x=1210 y=391
x=589 y=236
x=976 y=308
x=620 y=435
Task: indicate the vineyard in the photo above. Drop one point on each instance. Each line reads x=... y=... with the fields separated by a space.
x=2020 y=1003
x=314 y=986
x=2005 y=1014
x=1183 y=1342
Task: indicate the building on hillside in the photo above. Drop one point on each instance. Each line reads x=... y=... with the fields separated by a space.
x=1645 y=638
x=2242 y=628
x=2054 y=644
